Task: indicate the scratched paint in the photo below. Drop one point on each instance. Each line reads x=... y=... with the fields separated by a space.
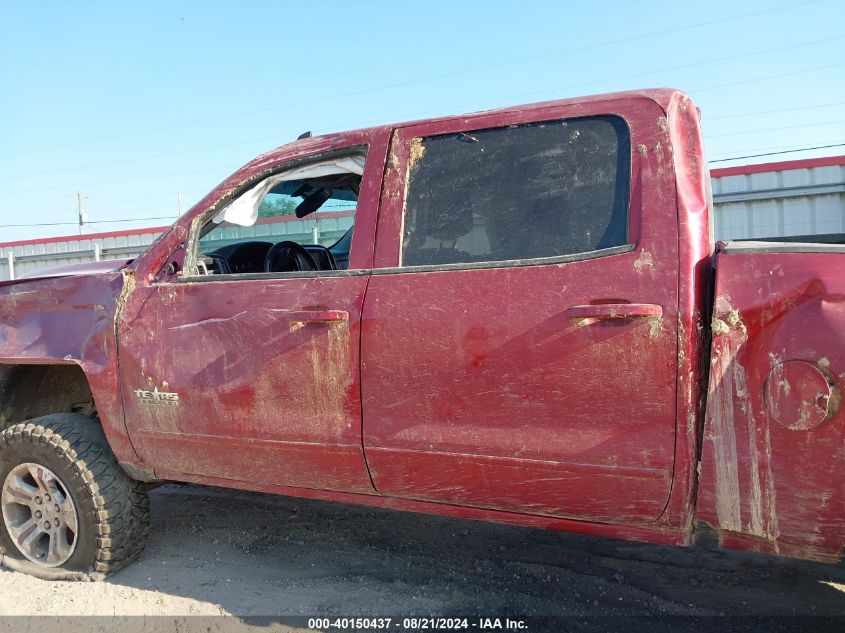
x=720 y=438
x=278 y=394
x=771 y=453
x=644 y=263
x=729 y=410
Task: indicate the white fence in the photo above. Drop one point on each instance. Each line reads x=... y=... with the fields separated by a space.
x=24 y=258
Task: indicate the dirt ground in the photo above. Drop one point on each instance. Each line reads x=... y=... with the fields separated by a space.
x=225 y=552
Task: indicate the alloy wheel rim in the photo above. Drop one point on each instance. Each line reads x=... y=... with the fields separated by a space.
x=39 y=515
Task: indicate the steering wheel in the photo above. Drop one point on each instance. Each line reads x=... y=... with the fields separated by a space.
x=288 y=256
x=221 y=265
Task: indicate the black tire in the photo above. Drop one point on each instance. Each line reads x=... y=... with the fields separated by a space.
x=112 y=509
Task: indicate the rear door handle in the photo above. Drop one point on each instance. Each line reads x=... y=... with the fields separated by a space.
x=615 y=311
x=318 y=316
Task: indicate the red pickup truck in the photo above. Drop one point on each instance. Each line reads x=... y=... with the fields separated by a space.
x=528 y=322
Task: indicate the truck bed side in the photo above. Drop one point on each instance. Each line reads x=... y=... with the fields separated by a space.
x=773 y=449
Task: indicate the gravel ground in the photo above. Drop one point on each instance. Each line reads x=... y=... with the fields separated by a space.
x=225 y=552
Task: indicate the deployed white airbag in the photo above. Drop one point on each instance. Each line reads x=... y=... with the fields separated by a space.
x=244 y=210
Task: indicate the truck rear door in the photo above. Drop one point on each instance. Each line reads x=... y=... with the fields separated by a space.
x=519 y=345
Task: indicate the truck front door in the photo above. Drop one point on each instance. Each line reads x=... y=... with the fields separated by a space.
x=247 y=367
x=520 y=327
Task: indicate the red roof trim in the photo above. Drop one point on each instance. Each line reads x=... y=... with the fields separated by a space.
x=804 y=163
x=152 y=229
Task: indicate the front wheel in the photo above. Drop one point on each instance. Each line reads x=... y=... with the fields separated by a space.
x=66 y=504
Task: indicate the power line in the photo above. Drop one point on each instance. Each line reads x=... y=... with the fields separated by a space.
x=487 y=103
x=15 y=226
x=800 y=71
x=164 y=217
x=456 y=73
x=558 y=90
x=777 y=148
x=143 y=158
x=207 y=170
x=172 y=195
x=125 y=220
x=786 y=151
x=694 y=90
x=796 y=109
x=772 y=129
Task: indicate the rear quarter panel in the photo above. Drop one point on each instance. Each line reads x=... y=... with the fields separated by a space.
x=773 y=452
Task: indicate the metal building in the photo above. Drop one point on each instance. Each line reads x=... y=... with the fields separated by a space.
x=791 y=198
x=797 y=197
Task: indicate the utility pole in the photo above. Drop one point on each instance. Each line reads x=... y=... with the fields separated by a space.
x=10 y=262
x=179 y=203
x=80 y=209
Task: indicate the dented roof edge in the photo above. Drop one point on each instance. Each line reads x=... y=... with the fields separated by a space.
x=663 y=97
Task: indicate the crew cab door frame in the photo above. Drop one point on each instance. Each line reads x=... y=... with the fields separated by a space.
x=263 y=395
x=445 y=418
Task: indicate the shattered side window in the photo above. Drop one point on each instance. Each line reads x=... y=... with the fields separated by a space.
x=518 y=192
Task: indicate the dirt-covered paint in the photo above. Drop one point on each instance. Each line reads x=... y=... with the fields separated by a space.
x=467 y=390
x=416 y=153
x=771 y=455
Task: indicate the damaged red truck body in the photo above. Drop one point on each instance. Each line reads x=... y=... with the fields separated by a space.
x=530 y=323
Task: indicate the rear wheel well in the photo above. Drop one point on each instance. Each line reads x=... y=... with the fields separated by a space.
x=31 y=391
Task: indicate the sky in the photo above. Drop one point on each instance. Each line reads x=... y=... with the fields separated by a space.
x=133 y=103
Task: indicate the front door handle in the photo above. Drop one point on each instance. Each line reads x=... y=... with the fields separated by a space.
x=318 y=316
x=615 y=311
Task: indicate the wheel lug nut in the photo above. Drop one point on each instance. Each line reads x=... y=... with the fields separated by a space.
x=38 y=514
x=37 y=499
x=56 y=507
x=56 y=522
x=46 y=525
x=47 y=498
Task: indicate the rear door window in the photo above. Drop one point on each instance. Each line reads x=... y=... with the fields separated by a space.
x=519 y=192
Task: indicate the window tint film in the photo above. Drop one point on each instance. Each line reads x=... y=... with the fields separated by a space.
x=518 y=192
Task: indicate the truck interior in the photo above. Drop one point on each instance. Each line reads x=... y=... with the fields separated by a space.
x=300 y=193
